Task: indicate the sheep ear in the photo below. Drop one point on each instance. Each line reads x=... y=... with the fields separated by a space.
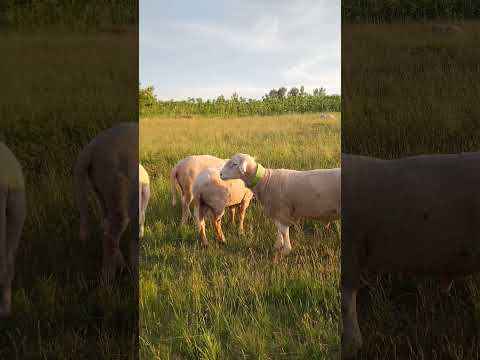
x=242 y=167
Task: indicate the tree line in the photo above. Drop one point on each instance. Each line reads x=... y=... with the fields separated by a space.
x=34 y=13
x=276 y=101
x=377 y=11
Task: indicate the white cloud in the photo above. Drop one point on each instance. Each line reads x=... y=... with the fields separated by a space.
x=263 y=36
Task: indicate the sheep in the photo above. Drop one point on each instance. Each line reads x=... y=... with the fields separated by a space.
x=143 y=197
x=184 y=173
x=288 y=195
x=212 y=195
x=13 y=210
x=440 y=28
x=417 y=215
x=109 y=163
x=325 y=116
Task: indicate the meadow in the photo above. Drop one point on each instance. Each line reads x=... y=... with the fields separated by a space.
x=232 y=302
x=409 y=91
x=60 y=89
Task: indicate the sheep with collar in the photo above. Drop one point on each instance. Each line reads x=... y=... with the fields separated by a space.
x=288 y=195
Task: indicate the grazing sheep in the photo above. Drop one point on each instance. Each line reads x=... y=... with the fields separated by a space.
x=440 y=28
x=417 y=215
x=324 y=116
x=109 y=163
x=144 y=196
x=288 y=195
x=12 y=218
x=212 y=195
x=184 y=173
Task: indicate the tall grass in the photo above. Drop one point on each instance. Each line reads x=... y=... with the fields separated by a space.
x=59 y=90
x=233 y=302
x=409 y=91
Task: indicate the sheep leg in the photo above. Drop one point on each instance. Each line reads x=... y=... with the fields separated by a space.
x=112 y=256
x=287 y=247
x=243 y=210
x=116 y=223
x=280 y=243
x=217 y=224
x=446 y=285
x=186 y=201
x=352 y=337
x=350 y=282
x=145 y=197
x=103 y=212
x=232 y=214
x=199 y=214
x=16 y=205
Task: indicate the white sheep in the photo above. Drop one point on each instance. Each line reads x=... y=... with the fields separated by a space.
x=12 y=218
x=288 y=195
x=143 y=197
x=109 y=163
x=184 y=173
x=212 y=195
x=325 y=116
x=443 y=28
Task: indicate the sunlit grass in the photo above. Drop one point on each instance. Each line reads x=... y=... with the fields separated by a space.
x=233 y=302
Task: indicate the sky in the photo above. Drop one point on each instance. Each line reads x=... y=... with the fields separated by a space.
x=208 y=48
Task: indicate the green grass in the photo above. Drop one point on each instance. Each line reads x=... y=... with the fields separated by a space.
x=409 y=91
x=59 y=90
x=232 y=302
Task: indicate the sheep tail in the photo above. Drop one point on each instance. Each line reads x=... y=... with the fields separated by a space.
x=81 y=178
x=173 y=185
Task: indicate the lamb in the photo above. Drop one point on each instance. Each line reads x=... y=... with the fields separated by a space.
x=212 y=195
x=109 y=163
x=13 y=210
x=143 y=197
x=288 y=195
x=184 y=173
x=417 y=215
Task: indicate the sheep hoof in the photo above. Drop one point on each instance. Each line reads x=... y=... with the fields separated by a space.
x=446 y=286
x=222 y=242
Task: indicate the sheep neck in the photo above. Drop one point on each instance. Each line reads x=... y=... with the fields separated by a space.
x=253 y=180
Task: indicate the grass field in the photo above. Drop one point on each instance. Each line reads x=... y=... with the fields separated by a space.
x=233 y=302
x=409 y=91
x=60 y=90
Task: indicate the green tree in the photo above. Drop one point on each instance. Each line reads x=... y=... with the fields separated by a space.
x=282 y=92
x=319 y=92
x=146 y=97
x=293 y=92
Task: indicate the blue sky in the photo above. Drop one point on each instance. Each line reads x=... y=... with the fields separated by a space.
x=206 y=48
